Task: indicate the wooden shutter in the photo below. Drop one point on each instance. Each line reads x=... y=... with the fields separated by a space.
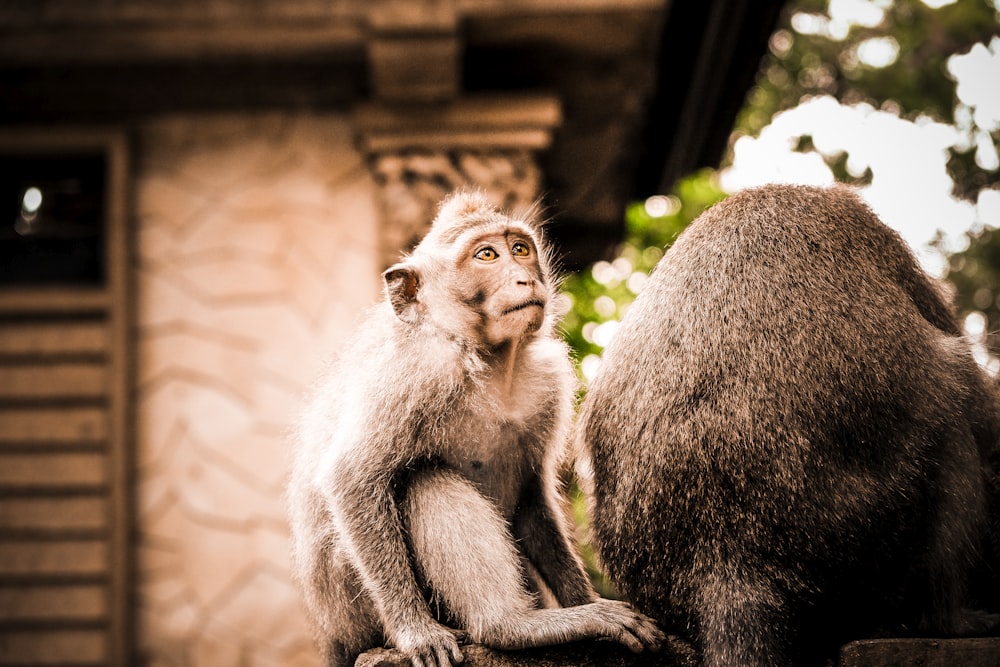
x=64 y=444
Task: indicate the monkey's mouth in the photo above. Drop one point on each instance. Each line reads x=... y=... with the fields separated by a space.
x=526 y=304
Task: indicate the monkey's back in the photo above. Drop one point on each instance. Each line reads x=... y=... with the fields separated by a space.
x=774 y=410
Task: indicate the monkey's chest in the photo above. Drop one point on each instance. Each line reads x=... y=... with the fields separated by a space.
x=496 y=467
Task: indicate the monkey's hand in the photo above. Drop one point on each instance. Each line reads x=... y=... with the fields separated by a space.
x=623 y=624
x=428 y=645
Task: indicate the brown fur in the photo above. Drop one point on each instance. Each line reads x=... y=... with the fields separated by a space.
x=789 y=436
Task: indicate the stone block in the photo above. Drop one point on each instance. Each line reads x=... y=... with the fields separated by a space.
x=674 y=653
x=971 y=652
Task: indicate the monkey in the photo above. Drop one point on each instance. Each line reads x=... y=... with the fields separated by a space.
x=787 y=441
x=424 y=497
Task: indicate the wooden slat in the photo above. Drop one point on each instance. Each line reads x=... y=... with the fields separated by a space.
x=54 y=514
x=43 y=425
x=56 y=337
x=54 y=300
x=53 y=381
x=53 y=647
x=48 y=470
x=53 y=603
x=23 y=558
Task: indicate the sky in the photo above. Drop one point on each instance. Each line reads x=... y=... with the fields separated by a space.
x=910 y=188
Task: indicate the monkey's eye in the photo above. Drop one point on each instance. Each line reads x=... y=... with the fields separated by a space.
x=520 y=249
x=486 y=254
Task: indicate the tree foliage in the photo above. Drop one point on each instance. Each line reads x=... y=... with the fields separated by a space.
x=604 y=292
x=975 y=275
x=895 y=59
x=891 y=54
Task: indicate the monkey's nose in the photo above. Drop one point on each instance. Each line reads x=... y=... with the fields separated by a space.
x=522 y=276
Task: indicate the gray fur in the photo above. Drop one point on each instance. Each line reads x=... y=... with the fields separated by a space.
x=789 y=436
x=425 y=487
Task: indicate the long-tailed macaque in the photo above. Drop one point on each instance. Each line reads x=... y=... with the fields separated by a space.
x=789 y=437
x=424 y=495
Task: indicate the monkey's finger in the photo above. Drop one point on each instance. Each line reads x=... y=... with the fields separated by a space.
x=639 y=626
x=646 y=630
x=623 y=635
x=430 y=656
x=446 y=655
x=456 y=654
x=437 y=658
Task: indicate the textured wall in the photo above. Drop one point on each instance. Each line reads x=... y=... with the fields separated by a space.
x=257 y=250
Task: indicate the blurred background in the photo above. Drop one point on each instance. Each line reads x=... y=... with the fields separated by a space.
x=199 y=196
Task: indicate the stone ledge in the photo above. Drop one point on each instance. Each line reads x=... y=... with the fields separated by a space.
x=972 y=652
x=485 y=122
x=675 y=653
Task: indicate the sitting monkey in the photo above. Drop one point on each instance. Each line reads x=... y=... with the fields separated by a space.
x=789 y=436
x=424 y=492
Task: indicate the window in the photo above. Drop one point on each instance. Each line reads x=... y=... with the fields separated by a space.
x=52 y=219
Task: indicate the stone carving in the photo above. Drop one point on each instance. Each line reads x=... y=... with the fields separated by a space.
x=413 y=182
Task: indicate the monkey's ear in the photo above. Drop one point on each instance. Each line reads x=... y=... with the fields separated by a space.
x=402 y=282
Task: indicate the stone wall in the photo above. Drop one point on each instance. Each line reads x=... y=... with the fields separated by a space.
x=256 y=251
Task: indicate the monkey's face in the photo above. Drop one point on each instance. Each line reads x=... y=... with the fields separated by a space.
x=479 y=275
x=504 y=284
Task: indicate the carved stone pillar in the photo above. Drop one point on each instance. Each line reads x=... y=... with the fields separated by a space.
x=417 y=156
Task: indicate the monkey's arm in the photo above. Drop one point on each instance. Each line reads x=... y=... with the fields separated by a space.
x=368 y=521
x=542 y=536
